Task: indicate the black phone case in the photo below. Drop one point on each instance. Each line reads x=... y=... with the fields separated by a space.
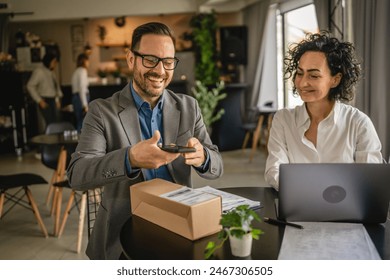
x=177 y=149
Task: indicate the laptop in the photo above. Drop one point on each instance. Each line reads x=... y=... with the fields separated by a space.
x=334 y=192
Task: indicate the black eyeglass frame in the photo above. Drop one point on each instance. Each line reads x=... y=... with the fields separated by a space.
x=157 y=60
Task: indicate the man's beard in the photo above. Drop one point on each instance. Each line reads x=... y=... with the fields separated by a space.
x=141 y=82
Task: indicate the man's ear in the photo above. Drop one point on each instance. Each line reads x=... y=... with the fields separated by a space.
x=336 y=80
x=130 y=59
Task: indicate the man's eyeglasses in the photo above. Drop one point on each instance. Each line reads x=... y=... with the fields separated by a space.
x=151 y=61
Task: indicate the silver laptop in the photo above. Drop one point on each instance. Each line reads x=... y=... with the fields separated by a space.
x=337 y=192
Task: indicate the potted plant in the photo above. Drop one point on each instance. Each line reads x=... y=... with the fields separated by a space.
x=208 y=98
x=102 y=32
x=116 y=74
x=237 y=227
x=208 y=86
x=103 y=75
x=204 y=29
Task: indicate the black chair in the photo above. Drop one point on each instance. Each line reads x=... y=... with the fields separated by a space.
x=14 y=188
x=253 y=124
x=51 y=153
x=56 y=157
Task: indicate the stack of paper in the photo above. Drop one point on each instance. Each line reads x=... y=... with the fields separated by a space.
x=191 y=196
x=188 y=196
x=230 y=201
x=327 y=241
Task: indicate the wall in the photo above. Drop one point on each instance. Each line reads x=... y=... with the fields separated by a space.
x=60 y=32
x=70 y=9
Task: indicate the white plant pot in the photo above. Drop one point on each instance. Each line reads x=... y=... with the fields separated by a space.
x=104 y=81
x=241 y=247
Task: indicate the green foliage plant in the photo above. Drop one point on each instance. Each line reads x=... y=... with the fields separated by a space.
x=236 y=222
x=115 y=73
x=204 y=28
x=208 y=98
x=102 y=32
x=102 y=73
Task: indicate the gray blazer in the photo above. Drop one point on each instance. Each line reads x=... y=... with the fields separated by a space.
x=109 y=129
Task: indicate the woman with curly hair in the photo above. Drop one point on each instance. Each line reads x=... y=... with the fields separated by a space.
x=323 y=129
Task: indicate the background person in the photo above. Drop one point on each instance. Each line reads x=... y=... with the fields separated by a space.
x=80 y=92
x=323 y=129
x=118 y=145
x=45 y=90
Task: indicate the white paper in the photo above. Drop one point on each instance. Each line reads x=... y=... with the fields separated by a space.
x=230 y=201
x=188 y=196
x=327 y=241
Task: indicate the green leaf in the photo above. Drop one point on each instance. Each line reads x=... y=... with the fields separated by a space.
x=208 y=99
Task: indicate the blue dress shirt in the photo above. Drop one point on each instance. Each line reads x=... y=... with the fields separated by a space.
x=151 y=120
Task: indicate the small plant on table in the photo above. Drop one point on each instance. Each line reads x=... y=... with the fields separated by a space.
x=236 y=223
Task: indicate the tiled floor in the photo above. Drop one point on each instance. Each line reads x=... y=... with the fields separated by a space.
x=20 y=235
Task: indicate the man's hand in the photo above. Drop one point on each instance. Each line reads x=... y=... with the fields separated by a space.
x=42 y=104
x=58 y=104
x=197 y=158
x=146 y=154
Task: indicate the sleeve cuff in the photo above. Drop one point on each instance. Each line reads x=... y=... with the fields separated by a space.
x=205 y=166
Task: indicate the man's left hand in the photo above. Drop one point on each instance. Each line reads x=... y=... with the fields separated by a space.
x=196 y=158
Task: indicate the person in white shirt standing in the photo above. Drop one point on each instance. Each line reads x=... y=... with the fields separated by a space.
x=80 y=89
x=324 y=71
x=45 y=90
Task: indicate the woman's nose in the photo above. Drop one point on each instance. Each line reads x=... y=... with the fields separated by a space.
x=303 y=81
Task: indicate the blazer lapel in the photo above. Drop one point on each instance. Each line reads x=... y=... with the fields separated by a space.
x=171 y=117
x=129 y=116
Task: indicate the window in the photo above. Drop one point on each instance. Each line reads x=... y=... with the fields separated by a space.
x=293 y=23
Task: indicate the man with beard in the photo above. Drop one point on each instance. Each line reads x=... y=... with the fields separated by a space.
x=121 y=135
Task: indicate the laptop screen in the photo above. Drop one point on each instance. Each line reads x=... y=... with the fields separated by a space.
x=337 y=192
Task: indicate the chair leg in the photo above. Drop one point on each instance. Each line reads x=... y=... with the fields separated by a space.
x=2 y=196
x=269 y=123
x=60 y=175
x=54 y=200
x=256 y=136
x=57 y=215
x=36 y=211
x=246 y=139
x=51 y=188
x=66 y=213
x=81 y=221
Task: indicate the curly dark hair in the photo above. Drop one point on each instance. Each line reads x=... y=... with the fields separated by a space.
x=339 y=55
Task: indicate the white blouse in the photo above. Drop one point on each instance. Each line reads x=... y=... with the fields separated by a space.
x=346 y=135
x=43 y=83
x=80 y=84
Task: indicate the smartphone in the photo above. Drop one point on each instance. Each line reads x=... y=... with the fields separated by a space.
x=177 y=149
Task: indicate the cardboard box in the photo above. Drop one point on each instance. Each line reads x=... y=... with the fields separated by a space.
x=190 y=221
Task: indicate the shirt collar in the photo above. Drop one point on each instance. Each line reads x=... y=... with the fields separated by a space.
x=139 y=101
x=302 y=116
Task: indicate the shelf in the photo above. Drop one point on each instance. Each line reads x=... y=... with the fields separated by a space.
x=119 y=57
x=117 y=45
